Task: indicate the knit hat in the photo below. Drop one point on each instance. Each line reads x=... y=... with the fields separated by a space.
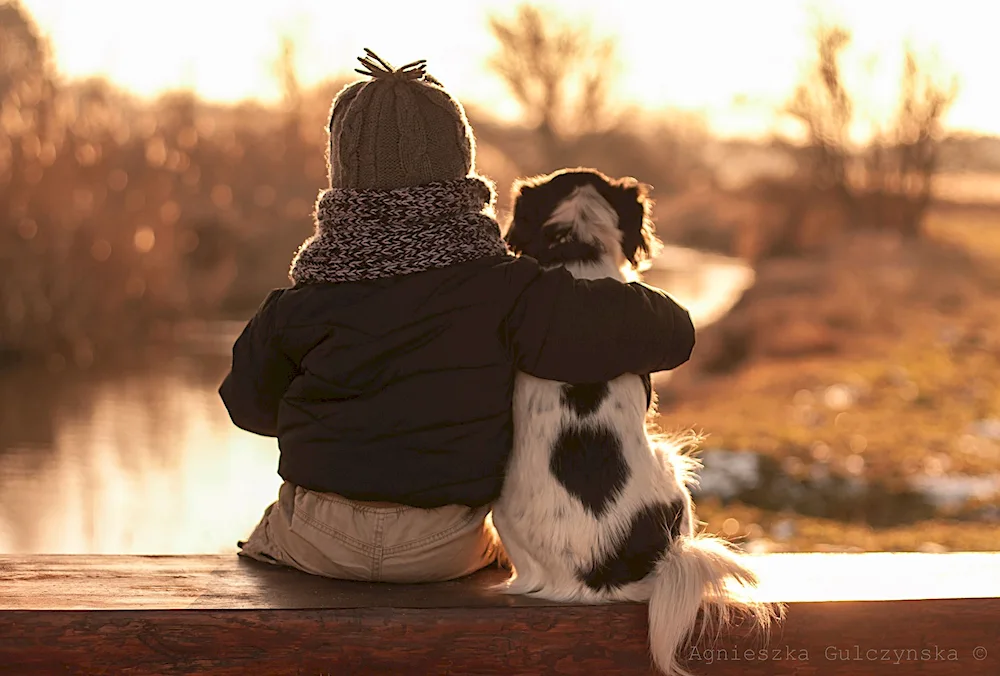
x=399 y=128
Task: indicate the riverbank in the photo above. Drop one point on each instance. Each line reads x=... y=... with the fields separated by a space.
x=862 y=389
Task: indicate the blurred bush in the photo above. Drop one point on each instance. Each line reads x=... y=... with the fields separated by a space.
x=119 y=216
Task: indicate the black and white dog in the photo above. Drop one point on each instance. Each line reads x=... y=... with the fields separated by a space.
x=594 y=508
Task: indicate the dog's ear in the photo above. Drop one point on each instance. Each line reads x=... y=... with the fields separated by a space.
x=525 y=232
x=632 y=202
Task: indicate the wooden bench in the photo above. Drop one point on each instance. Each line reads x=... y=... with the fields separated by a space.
x=856 y=614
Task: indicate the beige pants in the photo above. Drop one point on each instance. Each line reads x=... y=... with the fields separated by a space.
x=325 y=534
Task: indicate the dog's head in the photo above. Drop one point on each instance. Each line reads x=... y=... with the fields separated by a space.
x=581 y=215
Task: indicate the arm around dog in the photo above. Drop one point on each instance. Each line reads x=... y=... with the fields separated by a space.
x=576 y=330
x=260 y=374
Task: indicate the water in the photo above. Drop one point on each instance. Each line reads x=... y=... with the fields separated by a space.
x=146 y=461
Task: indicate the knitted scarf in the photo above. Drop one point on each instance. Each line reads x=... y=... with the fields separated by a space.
x=372 y=234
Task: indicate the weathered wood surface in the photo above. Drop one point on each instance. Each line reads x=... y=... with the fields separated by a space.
x=220 y=615
x=231 y=583
x=818 y=638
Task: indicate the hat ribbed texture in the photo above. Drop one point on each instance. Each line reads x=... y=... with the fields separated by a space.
x=399 y=128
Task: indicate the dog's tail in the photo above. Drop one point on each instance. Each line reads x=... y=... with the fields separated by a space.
x=698 y=574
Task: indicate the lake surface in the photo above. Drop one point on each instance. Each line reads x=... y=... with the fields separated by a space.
x=138 y=462
x=146 y=461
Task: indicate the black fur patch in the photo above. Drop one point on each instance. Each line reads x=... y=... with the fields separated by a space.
x=647 y=382
x=584 y=399
x=588 y=462
x=652 y=530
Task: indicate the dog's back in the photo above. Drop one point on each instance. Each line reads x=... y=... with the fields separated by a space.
x=593 y=509
x=587 y=509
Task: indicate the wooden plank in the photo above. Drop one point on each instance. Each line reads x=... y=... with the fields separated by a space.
x=179 y=582
x=868 y=638
x=223 y=615
x=229 y=582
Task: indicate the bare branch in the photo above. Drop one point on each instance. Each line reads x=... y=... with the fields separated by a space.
x=556 y=71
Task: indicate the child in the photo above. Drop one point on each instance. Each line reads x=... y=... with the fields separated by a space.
x=386 y=371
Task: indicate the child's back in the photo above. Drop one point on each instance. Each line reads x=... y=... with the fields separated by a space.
x=387 y=371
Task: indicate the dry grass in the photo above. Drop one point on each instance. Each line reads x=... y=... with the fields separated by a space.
x=974 y=229
x=761 y=530
x=916 y=366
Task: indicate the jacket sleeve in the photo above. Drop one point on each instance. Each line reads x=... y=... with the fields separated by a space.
x=575 y=330
x=260 y=373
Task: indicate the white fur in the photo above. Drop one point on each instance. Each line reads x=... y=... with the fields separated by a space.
x=546 y=552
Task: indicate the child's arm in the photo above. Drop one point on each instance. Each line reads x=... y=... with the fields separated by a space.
x=260 y=374
x=575 y=330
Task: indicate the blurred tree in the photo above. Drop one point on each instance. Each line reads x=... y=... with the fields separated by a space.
x=886 y=185
x=557 y=71
x=823 y=106
x=24 y=58
x=27 y=149
x=291 y=91
x=25 y=78
x=902 y=160
x=562 y=74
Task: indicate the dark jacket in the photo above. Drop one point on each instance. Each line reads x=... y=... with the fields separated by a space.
x=400 y=389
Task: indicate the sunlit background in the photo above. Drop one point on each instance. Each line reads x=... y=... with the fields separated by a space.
x=827 y=177
x=733 y=62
